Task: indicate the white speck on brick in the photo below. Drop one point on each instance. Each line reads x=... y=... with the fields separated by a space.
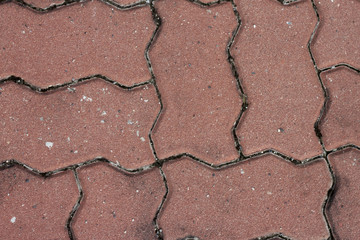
x=13 y=219
x=254 y=26
x=103 y=113
x=137 y=133
x=269 y=193
x=130 y=122
x=87 y=99
x=253 y=188
x=49 y=144
x=242 y=171
x=142 y=139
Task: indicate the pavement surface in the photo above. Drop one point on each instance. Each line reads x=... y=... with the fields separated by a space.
x=180 y=119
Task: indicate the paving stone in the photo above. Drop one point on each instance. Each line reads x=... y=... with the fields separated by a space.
x=255 y=198
x=33 y=207
x=117 y=205
x=337 y=37
x=201 y=101
x=261 y=197
x=341 y=124
x=344 y=209
x=73 y=42
x=75 y=124
x=284 y=94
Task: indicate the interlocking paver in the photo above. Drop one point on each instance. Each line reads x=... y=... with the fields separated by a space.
x=74 y=42
x=123 y=115
x=117 y=205
x=72 y=125
x=199 y=92
x=341 y=124
x=344 y=210
x=284 y=94
x=255 y=198
x=34 y=207
x=337 y=38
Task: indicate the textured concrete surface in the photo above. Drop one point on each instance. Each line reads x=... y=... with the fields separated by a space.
x=126 y=204
x=75 y=42
x=344 y=209
x=33 y=207
x=179 y=119
x=341 y=123
x=199 y=93
x=71 y=125
x=337 y=39
x=263 y=196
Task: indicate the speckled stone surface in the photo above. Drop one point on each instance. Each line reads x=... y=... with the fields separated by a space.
x=240 y=198
x=283 y=91
x=341 y=123
x=72 y=125
x=199 y=93
x=179 y=119
x=345 y=207
x=33 y=207
x=338 y=36
x=74 y=42
x=118 y=205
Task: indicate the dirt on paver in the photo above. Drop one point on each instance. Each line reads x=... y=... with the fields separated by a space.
x=179 y=119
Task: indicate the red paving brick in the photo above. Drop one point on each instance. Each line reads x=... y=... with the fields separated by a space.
x=71 y=125
x=185 y=70
x=341 y=124
x=284 y=94
x=33 y=207
x=337 y=38
x=75 y=42
x=344 y=210
x=199 y=93
x=255 y=198
x=117 y=205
